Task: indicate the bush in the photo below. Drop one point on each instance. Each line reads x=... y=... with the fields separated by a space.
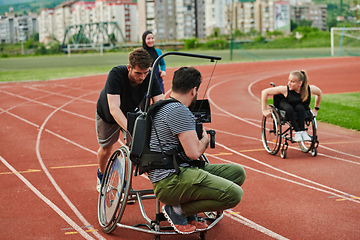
x=217 y=44
x=190 y=43
x=54 y=47
x=259 y=39
x=41 y=50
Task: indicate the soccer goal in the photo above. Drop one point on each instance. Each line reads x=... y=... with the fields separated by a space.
x=345 y=41
x=84 y=46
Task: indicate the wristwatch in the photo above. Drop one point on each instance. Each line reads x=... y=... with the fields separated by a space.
x=316 y=108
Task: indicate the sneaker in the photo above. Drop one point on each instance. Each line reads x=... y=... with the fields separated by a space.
x=305 y=136
x=298 y=137
x=99 y=180
x=200 y=226
x=178 y=222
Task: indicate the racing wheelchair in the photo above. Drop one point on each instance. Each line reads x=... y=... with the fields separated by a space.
x=116 y=187
x=277 y=128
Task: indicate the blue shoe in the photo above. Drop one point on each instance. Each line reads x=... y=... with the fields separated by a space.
x=178 y=222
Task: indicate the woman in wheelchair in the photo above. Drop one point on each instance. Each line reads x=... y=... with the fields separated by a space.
x=294 y=98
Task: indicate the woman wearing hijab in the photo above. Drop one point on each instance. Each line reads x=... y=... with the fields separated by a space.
x=148 y=44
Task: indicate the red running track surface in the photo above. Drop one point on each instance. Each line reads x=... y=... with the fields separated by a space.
x=48 y=159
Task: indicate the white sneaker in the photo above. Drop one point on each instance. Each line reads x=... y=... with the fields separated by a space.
x=98 y=184
x=305 y=136
x=298 y=137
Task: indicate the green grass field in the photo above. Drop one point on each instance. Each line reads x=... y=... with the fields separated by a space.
x=339 y=109
x=62 y=66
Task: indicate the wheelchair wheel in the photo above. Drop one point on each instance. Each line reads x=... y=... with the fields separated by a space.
x=114 y=190
x=271 y=132
x=311 y=131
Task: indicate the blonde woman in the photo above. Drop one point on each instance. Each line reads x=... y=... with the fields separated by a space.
x=294 y=98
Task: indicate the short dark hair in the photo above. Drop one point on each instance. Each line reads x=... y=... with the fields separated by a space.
x=185 y=79
x=140 y=57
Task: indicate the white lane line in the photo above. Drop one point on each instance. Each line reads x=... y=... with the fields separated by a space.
x=251 y=224
x=47 y=105
x=52 y=180
x=289 y=174
x=59 y=94
x=295 y=148
x=256 y=125
x=224 y=111
x=47 y=201
x=288 y=180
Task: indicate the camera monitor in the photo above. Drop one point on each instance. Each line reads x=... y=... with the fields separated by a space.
x=201 y=111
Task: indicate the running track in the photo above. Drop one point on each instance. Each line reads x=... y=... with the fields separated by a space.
x=48 y=162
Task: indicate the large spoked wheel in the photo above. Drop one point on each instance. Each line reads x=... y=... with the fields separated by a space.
x=114 y=190
x=271 y=132
x=311 y=131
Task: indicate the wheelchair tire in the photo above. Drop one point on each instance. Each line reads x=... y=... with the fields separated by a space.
x=283 y=151
x=311 y=131
x=271 y=132
x=314 y=152
x=114 y=190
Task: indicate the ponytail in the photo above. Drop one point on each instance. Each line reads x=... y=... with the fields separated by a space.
x=303 y=77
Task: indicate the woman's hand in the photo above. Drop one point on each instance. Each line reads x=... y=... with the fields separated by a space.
x=315 y=112
x=162 y=74
x=266 y=112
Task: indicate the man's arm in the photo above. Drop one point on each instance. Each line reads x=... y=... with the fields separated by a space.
x=191 y=144
x=158 y=97
x=115 y=111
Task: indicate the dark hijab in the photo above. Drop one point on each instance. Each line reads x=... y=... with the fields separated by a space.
x=151 y=50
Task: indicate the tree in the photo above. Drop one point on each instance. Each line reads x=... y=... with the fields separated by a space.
x=293 y=25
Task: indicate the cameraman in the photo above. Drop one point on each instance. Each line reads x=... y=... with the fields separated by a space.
x=212 y=187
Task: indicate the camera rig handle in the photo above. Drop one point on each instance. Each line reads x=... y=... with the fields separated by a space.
x=212 y=137
x=199 y=127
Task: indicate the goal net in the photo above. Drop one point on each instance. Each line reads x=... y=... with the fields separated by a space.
x=345 y=41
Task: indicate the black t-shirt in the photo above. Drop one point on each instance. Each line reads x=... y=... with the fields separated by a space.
x=293 y=98
x=118 y=83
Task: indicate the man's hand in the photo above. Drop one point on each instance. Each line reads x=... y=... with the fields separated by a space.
x=205 y=138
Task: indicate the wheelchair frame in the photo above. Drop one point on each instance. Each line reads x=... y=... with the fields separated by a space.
x=272 y=133
x=116 y=187
x=115 y=193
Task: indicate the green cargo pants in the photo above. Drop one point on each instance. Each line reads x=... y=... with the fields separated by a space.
x=215 y=187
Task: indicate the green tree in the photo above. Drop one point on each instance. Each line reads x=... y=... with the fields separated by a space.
x=293 y=25
x=305 y=23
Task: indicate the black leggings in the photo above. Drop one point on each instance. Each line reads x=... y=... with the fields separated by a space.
x=290 y=113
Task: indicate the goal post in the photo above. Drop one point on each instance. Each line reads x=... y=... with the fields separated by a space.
x=84 y=46
x=352 y=33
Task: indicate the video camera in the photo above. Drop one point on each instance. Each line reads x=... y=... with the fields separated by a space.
x=202 y=114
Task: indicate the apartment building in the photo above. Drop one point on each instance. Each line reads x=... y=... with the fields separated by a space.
x=15 y=28
x=82 y=12
x=172 y=19
x=62 y=18
x=310 y=11
x=176 y=19
x=96 y=18
x=244 y=16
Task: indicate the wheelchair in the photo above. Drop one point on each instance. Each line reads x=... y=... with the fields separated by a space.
x=117 y=190
x=277 y=128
